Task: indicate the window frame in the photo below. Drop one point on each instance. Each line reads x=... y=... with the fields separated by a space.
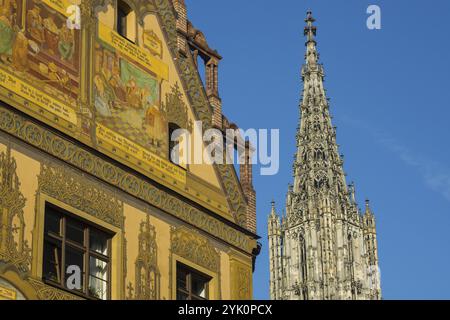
x=123 y=10
x=61 y=240
x=188 y=290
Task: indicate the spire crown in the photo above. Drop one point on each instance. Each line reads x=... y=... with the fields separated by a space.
x=310 y=30
x=273 y=211
x=368 y=211
x=312 y=56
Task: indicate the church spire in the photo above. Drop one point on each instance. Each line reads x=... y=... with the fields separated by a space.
x=318 y=249
x=318 y=167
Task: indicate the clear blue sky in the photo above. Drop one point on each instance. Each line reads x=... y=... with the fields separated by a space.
x=390 y=98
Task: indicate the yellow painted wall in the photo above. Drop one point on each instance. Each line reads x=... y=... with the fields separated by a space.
x=28 y=169
x=204 y=171
x=107 y=17
x=67 y=99
x=225 y=283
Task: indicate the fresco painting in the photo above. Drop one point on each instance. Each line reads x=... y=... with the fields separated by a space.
x=8 y=29
x=128 y=100
x=44 y=52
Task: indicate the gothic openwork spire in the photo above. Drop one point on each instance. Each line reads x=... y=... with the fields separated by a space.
x=322 y=246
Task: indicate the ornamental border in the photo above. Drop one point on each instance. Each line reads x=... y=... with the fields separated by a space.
x=65 y=150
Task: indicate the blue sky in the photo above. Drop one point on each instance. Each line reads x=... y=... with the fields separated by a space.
x=390 y=99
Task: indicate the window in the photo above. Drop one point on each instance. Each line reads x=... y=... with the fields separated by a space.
x=126 y=21
x=191 y=284
x=71 y=244
x=319 y=154
x=321 y=182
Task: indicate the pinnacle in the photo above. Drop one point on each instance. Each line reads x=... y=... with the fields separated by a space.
x=310 y=30
x=273 y=211
x=368 y=210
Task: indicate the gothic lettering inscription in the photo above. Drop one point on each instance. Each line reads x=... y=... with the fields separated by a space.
x=132 y=51
x=36 y=96
x=152 y=42
x=133 y=149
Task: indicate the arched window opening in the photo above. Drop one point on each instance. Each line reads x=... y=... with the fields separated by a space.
x=316 y=126
x=126 y=21
x=321 y=182
x=303 y=266
x=350 y=258
x=319 y=154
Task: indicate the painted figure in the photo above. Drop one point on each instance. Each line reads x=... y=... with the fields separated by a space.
x=51 y=34
x=66 y=43
x=133 y=94
x=35 y=25
x=6 y=30
x=102 y=97
x=155 y=123
x=20 y=52
x=117 y=85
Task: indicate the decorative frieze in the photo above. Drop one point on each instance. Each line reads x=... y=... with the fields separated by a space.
x=46 y=292
x=241 y=280
x=72 y=188
x=147 y=275
x=68 y=151
x=195 y=248
x=14 y=249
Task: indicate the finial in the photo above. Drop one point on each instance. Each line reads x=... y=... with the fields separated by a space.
x=273 y=213
x=310 y=30
x=368 y=206
x=352 y=192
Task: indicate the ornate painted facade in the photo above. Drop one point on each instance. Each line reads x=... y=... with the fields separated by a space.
x=323 y=248
x=87 y=99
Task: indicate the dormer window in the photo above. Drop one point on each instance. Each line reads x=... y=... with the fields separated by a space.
x=126 y=21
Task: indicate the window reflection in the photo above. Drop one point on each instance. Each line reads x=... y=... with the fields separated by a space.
x=70 y=242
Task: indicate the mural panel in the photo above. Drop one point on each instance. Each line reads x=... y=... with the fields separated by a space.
x=40 y=58
x=40 y=55
x=127 y=101
x=131 y=119
x=53 y=55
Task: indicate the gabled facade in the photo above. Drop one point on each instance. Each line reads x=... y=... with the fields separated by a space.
x=323 y=248
x=90 y=92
